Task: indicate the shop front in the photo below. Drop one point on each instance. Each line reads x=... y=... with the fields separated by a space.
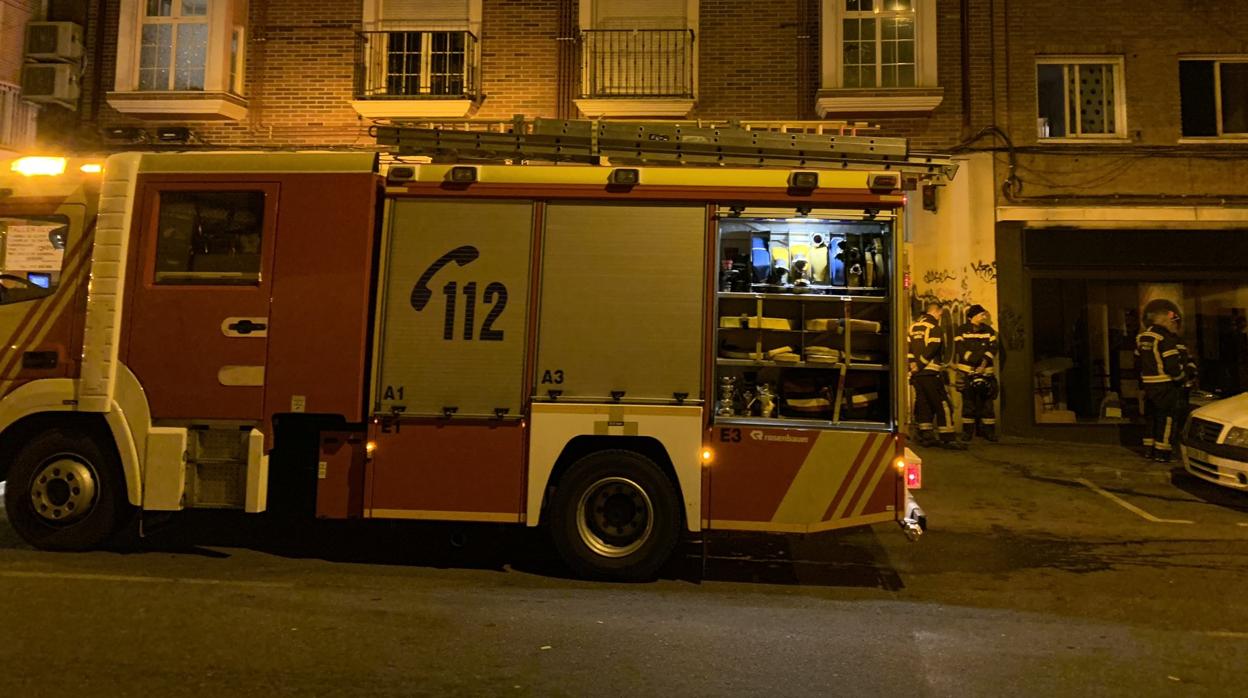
x=1072 y=301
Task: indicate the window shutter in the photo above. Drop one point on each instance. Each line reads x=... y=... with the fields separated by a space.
x=450 y=12
x=639 y=14
x=1196 y=95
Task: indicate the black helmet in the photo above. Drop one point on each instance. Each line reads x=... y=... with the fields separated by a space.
x=1159 y=306
x=981 y=386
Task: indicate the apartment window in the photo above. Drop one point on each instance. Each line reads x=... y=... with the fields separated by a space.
x=1214 y=95
x=418 y=58
x=173 y=49
x=877 y=55
x=412 y=63
x=878 y=44
x=1080 y=98
x=638 y=57
x=194 y=49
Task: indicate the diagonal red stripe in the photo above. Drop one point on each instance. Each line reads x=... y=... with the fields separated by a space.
x=40 y=309
x=849 y=476
x=866 y=481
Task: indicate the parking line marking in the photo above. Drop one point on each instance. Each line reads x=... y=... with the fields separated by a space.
x=1244 y=524
x=1227 y=634
x=141 y=579
x=1128 y=505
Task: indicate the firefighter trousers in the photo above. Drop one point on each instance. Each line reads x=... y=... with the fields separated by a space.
x=932 y=408
x=1165 y=402
x=978 y=409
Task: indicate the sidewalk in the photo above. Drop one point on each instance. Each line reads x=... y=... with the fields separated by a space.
x=1055 y=459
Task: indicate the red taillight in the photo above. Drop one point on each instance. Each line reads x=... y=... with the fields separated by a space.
x=914 y=475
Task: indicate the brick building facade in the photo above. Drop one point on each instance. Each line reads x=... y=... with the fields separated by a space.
x=1102 y=148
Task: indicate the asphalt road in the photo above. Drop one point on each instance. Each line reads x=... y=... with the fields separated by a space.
x=1048 y=570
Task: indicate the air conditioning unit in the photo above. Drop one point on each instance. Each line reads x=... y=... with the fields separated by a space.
x=51 y=83
x=53 y=41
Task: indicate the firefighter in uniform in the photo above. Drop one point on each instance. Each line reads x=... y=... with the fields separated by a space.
x=975 y=358
x=1161 y=373
x=932 y=408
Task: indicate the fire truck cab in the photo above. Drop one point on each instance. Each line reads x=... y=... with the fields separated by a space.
x=622 y=354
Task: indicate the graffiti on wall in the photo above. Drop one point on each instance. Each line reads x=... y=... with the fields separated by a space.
x=956 y=290
x=938 y=276
x=985 y=271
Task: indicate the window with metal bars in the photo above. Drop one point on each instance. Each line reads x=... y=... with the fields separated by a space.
x=409 y=64
x=1080 y=98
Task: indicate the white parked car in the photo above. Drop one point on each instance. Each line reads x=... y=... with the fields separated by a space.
x=1214 y=445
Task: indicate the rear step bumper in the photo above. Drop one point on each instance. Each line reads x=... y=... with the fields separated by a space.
x=914 y=522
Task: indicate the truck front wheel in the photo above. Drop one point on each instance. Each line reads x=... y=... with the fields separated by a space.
x=65 y=491
x=615 y=515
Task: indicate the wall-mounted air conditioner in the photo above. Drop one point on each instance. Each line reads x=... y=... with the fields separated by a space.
x=53 y=41
x=51 y=83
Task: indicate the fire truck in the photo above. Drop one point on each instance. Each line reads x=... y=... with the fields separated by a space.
x=626 y=333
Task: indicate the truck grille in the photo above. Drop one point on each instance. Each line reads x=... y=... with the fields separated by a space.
x=1203 y=430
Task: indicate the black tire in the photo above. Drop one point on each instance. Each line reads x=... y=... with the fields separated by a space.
x=66 y=491
x=615 y=515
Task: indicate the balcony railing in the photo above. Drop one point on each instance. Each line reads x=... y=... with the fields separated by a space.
x=637 y=63
x=17 y=118
x=416 y=65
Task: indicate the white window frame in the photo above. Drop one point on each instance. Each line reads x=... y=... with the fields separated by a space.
x=175 y=20
x=238 y=60
x=834 y=97
x=1121 y=131
x=220 y=98
x=1217 y=61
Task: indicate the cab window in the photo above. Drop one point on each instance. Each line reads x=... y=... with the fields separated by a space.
x=32 y=256
x=209 y=237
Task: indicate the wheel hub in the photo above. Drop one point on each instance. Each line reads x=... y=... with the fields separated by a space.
x=615 y=517
x=63 y=490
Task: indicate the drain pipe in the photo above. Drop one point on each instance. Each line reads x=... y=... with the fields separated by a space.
x=966 y=68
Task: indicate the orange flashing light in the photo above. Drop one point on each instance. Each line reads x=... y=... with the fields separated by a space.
x=92 y=168
x=369 y=448
x=32 y=166
x=707 y=455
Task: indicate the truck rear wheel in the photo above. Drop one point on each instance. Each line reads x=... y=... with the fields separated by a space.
x=615 y=515
x=65 y=491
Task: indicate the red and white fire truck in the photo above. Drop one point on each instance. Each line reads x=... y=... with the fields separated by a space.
x=621 y=352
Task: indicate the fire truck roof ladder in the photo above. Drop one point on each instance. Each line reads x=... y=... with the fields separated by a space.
x=659 y=143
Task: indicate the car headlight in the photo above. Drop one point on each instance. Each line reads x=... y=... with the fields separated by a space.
x=1237 y=436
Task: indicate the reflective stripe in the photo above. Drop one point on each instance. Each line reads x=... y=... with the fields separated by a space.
x=1157 y=379
x=1166 y=434
x=1148 y=442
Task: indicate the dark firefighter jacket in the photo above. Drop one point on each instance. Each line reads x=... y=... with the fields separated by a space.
x=926 y=345
x=1159 y=355
x=975 y=346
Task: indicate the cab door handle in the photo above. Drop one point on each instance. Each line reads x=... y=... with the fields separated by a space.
x=245 y=327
